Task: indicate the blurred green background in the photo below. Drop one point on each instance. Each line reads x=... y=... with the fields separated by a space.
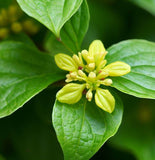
x=28 y=133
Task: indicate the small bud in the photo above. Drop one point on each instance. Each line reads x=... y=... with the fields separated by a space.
x=84 y=54
x=4 y=15
x=88 y=85
x=89 y=95
x=68 y=80
x=2 y=23
x=30 y=27
x=87 y=58
x=106 y=82
x=82 y=74
x=13 y=13
x=80 y=58
x=104 y=100
x=12 y=10
x=91 y=66
x=92 y=76
x=16 y=27
x=76 y=59
x=67 y=75
x=4 y=32
x=73 y=75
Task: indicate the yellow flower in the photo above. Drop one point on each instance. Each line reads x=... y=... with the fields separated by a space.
x=89 y=69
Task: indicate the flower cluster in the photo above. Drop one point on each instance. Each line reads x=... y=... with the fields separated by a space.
x=89 y=70
x=12 y=20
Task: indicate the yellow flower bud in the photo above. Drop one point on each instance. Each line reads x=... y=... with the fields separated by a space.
x=70 y=93
x=30 y=27
x=89 y=95
x=82 y=74
x=16 y=27
x=4 y=32
x=73 y=75
x=92 y=76
x=91 y=66
x=76 y=59
x=104 y=100
x=117 y=68
x=2 y=23
x=65 y=62
x=106 y=82
x=12 y=10
x=4 y=15
x=84 y=54
x=13 y=13
x=68 y=80
x=86 y=57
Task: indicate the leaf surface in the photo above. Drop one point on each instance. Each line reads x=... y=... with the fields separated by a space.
x=74 y=30
x=148 y=5
x=82 y=128
x=24 y=72
x=52 y=13
x=140 y=55
x=72 y=33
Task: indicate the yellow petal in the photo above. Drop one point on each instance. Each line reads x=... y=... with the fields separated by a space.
x=70 y=93
x=96 y=47
x=104 y=100
x=65 y=62
x=117 y=68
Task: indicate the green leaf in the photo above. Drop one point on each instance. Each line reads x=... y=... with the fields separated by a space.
x=137 y=132
x=82 y=128
x=72 y=33
x=52 y=13
x=74 y=30
x=24 y=72
x=140 y=55
x=53 y=45
x=148 y=5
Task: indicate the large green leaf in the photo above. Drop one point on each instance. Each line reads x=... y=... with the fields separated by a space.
x=137 y=132
x=24 y=72
x=148 y=5
x=72 y=33
x=82 y=128
x=52 y=13
x=75 y=29
x=140 y=55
